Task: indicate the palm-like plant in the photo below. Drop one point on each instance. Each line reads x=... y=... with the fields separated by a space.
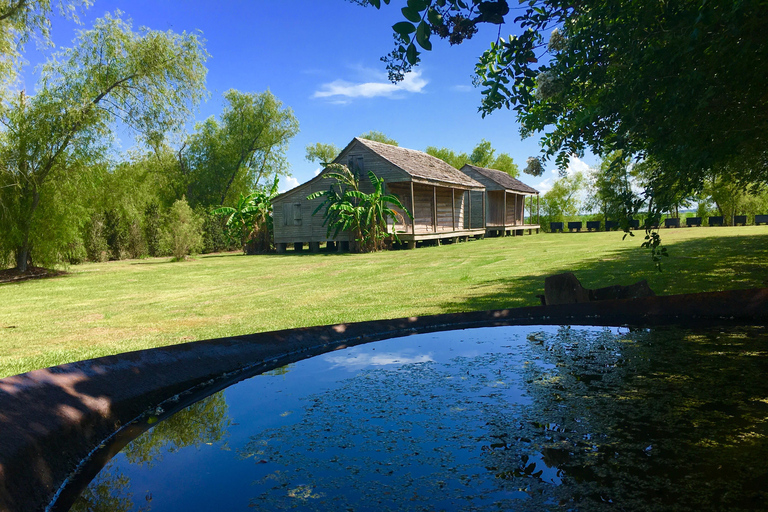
x=250 y=220
x=347 y=208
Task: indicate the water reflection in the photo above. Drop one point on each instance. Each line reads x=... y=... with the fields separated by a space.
x=204 y=422
x=507 y=418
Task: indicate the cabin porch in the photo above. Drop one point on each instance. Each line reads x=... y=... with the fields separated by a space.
x=439 y=212
x=506 y=214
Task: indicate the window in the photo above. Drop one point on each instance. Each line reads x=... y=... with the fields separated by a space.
x=292 y=214
x=356 y=164
x=297 y=214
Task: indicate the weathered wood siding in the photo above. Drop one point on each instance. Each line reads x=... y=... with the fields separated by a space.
x=423 y=211
x=519 y=214
x=403 y=192
x=444 y=209
x=476 y=213
x=495 y=208
x=461 y=204
x=488 y=183
x=511 y=216
x=357 y=154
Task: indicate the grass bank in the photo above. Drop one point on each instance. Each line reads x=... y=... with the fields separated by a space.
x=107 y=308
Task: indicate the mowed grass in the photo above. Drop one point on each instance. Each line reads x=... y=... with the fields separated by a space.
x=107 y=308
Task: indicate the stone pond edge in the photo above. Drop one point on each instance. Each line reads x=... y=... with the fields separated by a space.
x=52 y=419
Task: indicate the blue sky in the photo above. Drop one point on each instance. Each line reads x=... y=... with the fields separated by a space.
x=321 y=58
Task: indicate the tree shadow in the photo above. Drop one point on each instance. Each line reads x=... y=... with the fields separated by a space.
x=661 y=419
x=700 y=265
x=12 y=275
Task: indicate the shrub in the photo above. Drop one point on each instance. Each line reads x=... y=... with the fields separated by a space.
x=182 y=234
x=153 y=229
x=96 y=248
x=117 y=233
x=137 y=244
x=214 y=232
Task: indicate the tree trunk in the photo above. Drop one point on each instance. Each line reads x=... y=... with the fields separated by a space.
x=23 y=256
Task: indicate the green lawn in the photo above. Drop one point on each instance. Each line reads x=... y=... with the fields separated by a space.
x=106 y=308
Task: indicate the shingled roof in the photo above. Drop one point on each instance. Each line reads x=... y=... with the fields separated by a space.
x=419 y=164
x=503 y=179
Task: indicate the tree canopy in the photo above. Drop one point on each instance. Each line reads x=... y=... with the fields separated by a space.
x=483 y=155
x=239 y=152
x=681 y=82
x=321 y=153
x=20 y=20
x=377 y=136
x=147 y=80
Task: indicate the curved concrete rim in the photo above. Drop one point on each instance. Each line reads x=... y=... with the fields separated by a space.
x=53 y=419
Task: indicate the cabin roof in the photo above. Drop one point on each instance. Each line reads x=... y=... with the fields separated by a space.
x=419 y=164
x=503 y=179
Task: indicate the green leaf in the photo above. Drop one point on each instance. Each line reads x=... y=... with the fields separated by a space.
x=434 y=17
x=422 y=36
x=412 y=54
x=411 y=14
x=404 y=28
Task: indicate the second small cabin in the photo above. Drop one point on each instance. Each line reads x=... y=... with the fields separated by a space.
x=505 y=201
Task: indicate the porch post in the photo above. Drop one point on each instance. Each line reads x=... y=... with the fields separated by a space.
x=469 y=209
x=434 y=209
x=538 y=210
x=453 y=207
x=413 y=212
x=485 y=193
x=504 y=216
x=515 y=216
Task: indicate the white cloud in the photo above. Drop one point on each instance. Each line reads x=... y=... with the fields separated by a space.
x=287 y=183
x=575 y=165
x=318 y=170
x=462 y=88
x=354 y=360
x=341 y=90
x=544 y=185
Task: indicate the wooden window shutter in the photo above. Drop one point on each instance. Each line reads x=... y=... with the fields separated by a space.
x=297 y=214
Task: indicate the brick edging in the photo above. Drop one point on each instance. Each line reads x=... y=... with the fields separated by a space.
x=50 y=419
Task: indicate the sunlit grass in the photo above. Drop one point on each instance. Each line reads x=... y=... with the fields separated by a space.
x=107 y=308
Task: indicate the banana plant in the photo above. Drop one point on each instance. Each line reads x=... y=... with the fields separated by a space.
x=347 y=208
x=250 y=220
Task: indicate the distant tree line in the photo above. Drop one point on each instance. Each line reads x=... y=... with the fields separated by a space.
x=65 y=196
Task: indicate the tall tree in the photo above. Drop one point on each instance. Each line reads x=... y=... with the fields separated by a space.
x=483 y=155
x=20 y=20
x=321 y=153
x=610 y=187
x=378 y=137
x=563 y=199
x=238 y=153
x=448 y=156
x=681 y=82
x=147 y=80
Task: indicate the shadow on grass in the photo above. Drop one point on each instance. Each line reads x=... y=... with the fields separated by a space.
x=699 y=265
x=156 y=262
x=12 y=275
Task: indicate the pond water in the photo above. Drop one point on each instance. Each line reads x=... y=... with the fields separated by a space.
x=502 y=418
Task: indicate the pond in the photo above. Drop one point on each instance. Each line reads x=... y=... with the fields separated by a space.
x=502 y=418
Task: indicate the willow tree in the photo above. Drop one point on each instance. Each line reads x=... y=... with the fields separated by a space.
x=147 y=80
x=240 y=151
x=22 y=19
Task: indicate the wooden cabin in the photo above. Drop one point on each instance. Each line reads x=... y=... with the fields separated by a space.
x=445 y=202
x=505 y=201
